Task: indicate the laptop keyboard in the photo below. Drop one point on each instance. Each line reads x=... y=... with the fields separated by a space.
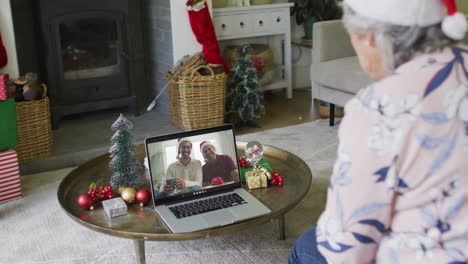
x=207 y=205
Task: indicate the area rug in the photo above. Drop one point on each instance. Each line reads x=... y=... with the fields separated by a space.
x=35 y=229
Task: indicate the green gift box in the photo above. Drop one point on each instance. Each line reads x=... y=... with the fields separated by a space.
x=8 y=132
x=263 y=163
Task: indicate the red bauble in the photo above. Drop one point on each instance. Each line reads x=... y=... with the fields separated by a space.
x=85 y=201
x=143 y=196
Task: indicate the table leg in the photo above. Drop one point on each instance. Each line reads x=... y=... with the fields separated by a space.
x=281 y=227
x=139 y=250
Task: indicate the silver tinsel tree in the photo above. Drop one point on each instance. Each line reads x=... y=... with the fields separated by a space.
x=124 y=165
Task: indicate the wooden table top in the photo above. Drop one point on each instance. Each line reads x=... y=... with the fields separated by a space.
x=144 y=223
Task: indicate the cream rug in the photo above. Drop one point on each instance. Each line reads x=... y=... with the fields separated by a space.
x=35 y=229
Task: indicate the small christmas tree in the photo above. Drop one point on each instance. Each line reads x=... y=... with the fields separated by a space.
x=124 y=166
x=243 y=90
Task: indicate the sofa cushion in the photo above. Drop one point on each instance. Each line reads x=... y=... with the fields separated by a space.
x=343 y=74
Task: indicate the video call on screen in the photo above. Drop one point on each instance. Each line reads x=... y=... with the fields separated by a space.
x=217 y=167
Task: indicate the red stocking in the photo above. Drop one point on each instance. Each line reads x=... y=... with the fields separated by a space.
x=203 y=29
x=3 y=54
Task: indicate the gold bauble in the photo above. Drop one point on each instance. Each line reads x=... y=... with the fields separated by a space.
x=128 y=195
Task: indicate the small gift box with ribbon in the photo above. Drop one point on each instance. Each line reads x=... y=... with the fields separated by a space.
x=263 y=163
x=256 y=179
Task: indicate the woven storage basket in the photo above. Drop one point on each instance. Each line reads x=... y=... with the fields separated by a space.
x=197 y=101
x=34 y=129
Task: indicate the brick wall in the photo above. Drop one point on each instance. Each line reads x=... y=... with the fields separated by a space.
x=160 y=51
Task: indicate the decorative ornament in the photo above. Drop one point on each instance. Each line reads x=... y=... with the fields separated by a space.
x=143 y=196
x=243 y=162
x=101 y=193
x=85 y=201
x=203 y=30
x=128 y=195
x=258 y=63
x=244 y=97
x=276 y=179
x=254 y=152
x=125 y=167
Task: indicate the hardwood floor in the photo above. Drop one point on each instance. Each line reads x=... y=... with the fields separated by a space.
x=282 y=112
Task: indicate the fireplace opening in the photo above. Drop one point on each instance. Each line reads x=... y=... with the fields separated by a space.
x=93 y=55
x=90 y=48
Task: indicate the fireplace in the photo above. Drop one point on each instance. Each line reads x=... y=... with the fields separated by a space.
x=93 y=55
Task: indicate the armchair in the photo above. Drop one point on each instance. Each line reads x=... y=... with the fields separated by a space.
x=335 y=74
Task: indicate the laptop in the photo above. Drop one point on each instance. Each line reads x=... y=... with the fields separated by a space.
x=207 y=192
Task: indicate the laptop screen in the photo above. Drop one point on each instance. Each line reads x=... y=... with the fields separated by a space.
x=192 y=163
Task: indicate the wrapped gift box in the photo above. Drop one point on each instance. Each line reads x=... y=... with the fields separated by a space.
x=3 y=86
x=8 y=129
x=114 y=207
x=10 y=185
x=263 y=163
x=256 y=179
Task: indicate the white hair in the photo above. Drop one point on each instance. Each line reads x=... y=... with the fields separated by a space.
x=397 y=43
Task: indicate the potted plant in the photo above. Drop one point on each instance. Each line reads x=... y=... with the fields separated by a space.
x=311 y=11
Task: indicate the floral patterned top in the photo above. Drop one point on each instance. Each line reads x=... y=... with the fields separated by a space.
x=399 y=189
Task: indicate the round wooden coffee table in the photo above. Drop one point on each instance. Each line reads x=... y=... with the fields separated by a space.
x=143 y=223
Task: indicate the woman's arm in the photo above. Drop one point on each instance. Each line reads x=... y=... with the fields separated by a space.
x=362 y=187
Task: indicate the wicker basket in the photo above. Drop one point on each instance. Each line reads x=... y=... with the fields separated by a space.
x=34 y=129
x=197 y=101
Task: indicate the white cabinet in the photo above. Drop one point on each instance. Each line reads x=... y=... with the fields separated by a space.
x=260 y=21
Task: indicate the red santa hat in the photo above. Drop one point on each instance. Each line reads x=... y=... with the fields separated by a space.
x=415 y=13
x=179 y=142
x=205 y=144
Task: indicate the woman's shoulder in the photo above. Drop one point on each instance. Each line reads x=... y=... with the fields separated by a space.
x=418 y=78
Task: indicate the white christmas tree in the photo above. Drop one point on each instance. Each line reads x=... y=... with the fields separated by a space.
x=124 y=165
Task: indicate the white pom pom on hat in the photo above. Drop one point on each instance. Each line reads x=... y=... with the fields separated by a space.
x=454 y=24
x=415 y=13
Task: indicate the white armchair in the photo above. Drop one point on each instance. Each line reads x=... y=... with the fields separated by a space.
x=335 y=73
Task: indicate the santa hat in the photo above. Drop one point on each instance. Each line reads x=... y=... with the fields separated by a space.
x=179 y=142
x=415 y=13
x=205 y=144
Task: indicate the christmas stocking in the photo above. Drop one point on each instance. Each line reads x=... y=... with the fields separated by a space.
x=203 y=29
x=3 y=54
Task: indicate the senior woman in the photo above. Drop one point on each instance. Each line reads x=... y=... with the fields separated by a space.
x=217 y=165
x=399 y=189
